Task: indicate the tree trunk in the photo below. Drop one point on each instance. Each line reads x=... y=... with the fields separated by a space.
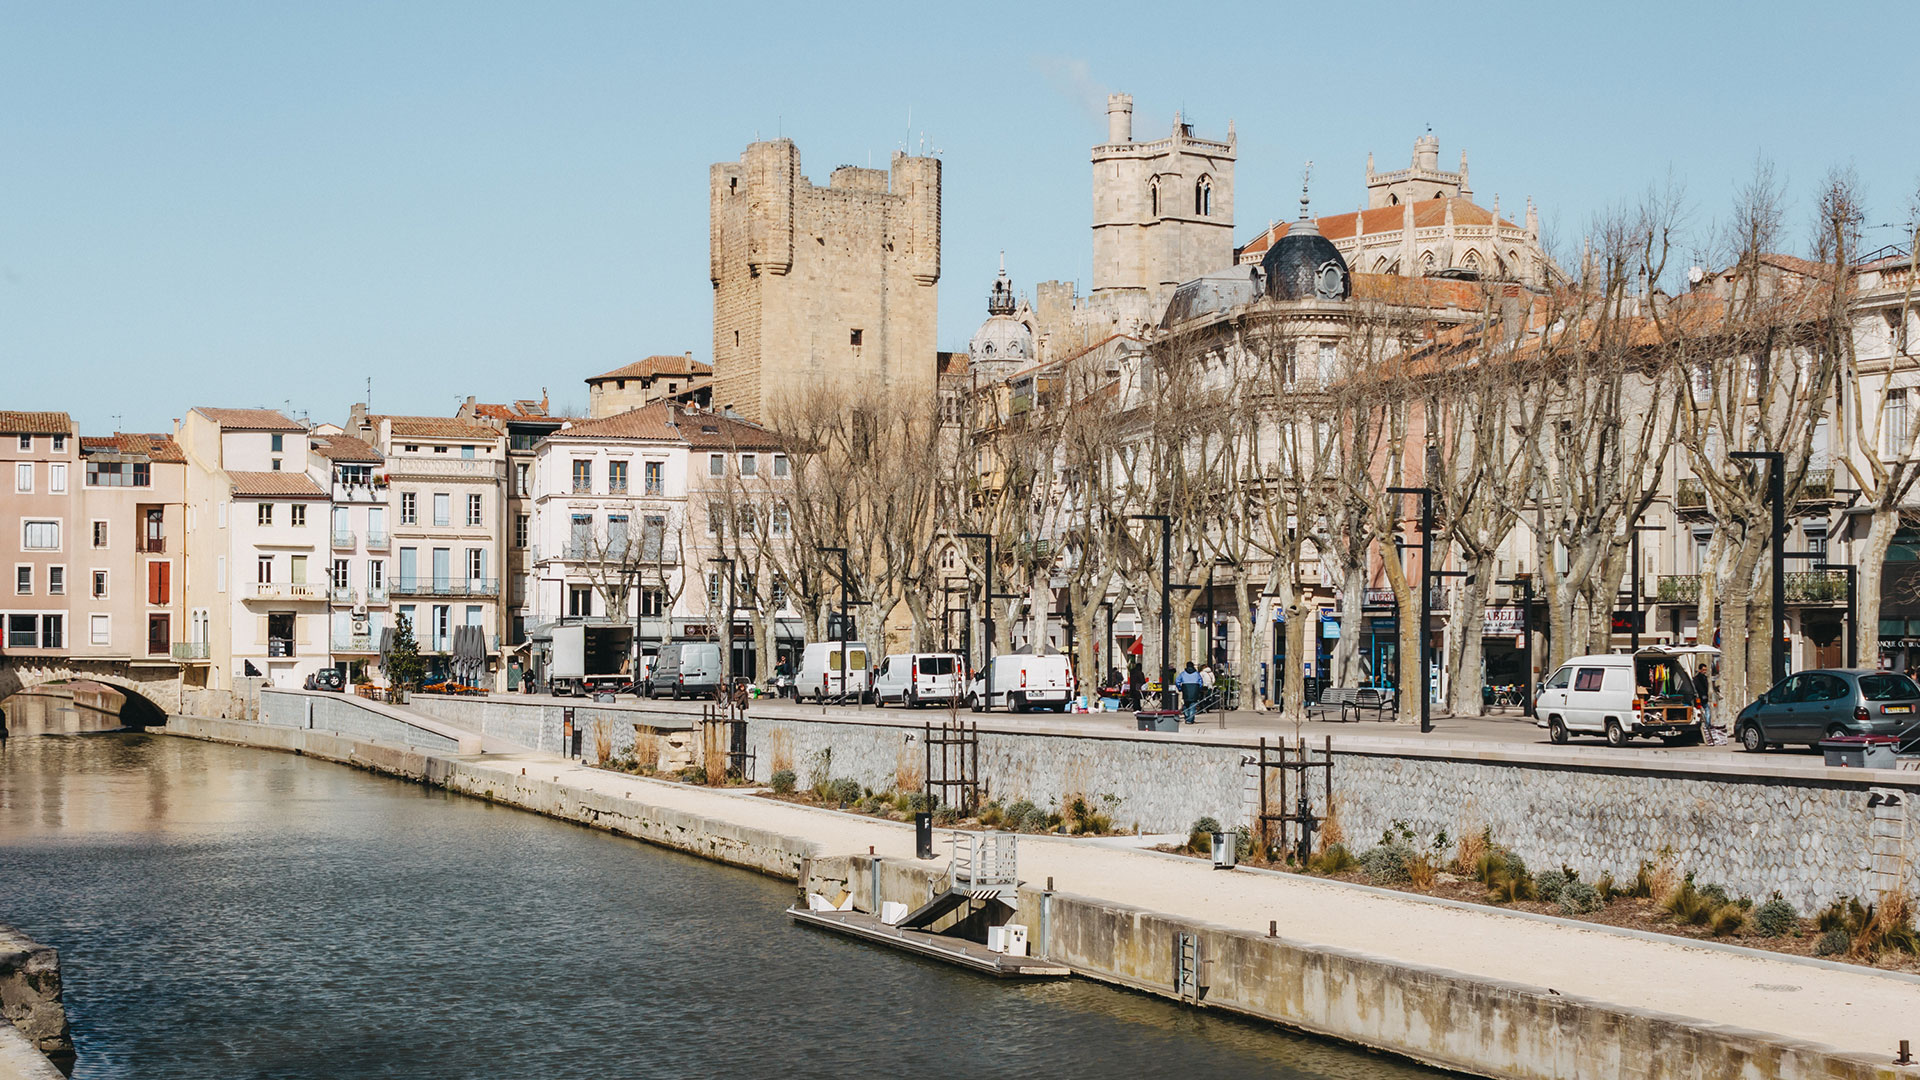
x=1469 y=660
x=1412 y=681
x=1870 y=558
x=1346 y=651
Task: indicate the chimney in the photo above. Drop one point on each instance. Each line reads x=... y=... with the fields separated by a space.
x=1119 y=118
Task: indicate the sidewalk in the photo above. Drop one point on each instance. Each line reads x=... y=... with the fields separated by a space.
x=1854 y=1009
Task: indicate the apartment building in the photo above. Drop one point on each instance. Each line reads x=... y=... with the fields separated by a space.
x=39 y=452
x=525 y=423
x=359 y=542
x=446 y=486
x=128 y=572
x=258 y=520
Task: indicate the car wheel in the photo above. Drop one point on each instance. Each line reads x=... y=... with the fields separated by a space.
x=973 y=702
x=1616 y=735
x=1557 y=731
x=1751 y=739
x=1835 y=731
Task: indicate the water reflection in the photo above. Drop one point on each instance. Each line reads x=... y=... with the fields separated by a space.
x=230 y=912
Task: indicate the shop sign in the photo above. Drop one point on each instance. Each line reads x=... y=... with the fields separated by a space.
x=1502 y=622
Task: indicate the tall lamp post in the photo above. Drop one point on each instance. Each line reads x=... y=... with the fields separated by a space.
x=1426 y=599
x=726 y=619
x=986 y=607
x=1526 y=641
x=1166 y=590
x=842 y=552
x=1776 y=494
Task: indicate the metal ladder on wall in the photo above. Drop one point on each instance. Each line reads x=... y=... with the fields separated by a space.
x=1886 y=840
x=1186 y=966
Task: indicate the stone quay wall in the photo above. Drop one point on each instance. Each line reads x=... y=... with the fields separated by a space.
x=1803 y=831
x=34 y=1038
x=319 y=710
x=537 y=723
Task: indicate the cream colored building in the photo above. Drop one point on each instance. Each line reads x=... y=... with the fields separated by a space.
x=258 y=523
x=643 y=382
x=359 y=544
x=831 y=287
x=129 y=591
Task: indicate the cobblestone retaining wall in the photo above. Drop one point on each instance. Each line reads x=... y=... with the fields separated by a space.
x=1806 y=838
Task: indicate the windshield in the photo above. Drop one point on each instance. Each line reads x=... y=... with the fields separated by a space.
x=1888 y=688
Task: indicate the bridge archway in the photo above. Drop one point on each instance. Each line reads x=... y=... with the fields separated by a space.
x=148 y=697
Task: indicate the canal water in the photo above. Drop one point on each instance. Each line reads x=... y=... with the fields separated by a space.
x=227 y=912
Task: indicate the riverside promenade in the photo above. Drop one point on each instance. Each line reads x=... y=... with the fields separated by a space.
x=1695 y=1006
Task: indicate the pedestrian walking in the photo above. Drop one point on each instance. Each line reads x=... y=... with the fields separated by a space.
x=1189 y=683
x=1703 y=700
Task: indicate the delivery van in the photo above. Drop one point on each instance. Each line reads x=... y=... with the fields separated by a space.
x=1023 y=682
x=820 y=675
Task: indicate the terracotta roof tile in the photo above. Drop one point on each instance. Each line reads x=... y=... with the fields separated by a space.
x=437 y=427
x=346 y=448
x=519 y=410
x=155 y=447
x=666 y=422
x=290 y=485
x=653 y=366
x=249 y=419
x=35 y=423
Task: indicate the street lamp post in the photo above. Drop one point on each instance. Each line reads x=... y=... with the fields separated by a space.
x=1426 y=599
x=1526 y=641
x=1776 y=494
x=842 y=552
x=1166 y=590
x=1108 y=657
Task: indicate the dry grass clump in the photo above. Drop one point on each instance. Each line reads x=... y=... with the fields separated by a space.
x=780 y=751
x=1473 y=845
x=646 y=751
x=714 y=758
x=1331 y=832
x=909 y=772
x=602 y=741
x=1421 y=871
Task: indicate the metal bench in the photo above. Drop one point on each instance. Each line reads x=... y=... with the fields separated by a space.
x=1353 y=700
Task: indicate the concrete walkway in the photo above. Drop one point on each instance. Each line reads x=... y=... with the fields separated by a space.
x=1854 y=1009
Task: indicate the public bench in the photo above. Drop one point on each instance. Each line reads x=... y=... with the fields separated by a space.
x=1354 y=700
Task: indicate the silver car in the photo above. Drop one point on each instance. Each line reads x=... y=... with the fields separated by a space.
x=1815 y=705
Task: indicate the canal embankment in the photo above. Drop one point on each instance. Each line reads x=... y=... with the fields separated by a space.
x=1492 y=993
x=35 y=1042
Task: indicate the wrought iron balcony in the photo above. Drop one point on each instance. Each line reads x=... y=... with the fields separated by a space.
x=376 y=541
x=1679 y=589
x=445 y=587
x=1816 y=587
x=343 y=541
x=1690 y=493
x=353 y=643
x=190 y=650
x=341 y=594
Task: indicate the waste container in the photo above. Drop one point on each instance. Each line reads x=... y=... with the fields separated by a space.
x=1861 y=751
x=1158 y=719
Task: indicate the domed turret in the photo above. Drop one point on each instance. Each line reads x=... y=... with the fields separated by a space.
x=1304 y=265
x=1002 y=336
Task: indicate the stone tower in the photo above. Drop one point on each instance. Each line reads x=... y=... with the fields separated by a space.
x=1421 y=181
x=1162 y=211
x=831 y=287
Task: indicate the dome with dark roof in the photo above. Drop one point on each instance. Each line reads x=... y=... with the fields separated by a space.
x=1303 y=265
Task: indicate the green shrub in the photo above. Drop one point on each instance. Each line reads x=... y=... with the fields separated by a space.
x=1387 y=864
x=1547 y=884
x=1579 y=898
x=1023 y=816
x=784 y=781
x=1504 y=874
x=845 y=791
x=922 y=802
x=695 y=775
x=1715 y=893
x=1333 y=859
x=1832 y=943
x=1205 y=825
x=1690 y=906
x=1776 y=918
x=946 y=815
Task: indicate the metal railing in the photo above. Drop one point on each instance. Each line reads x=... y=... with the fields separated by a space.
x=353 y=643
x=1690 y=493
x=446 y=587
x=1678 y=589
x=341 y=594
x=376 y=541
x=284 y=590
x=343 y=541
x=376 y=594
x=1817 y=487
x=190 y=650
x=1816 y=587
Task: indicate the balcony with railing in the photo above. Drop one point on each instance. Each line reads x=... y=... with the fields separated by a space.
x=151 y=545
x=341 y=594
x=190 y=650
x=1818 y=486
x=376 y=594
x=376 y=541
x=1816 y=587
x=1678 y=589
x=638 y=551
x=1690 y=493
x=445 y=587
x=286 y=590
x=442 y=465
x=343 y=541
x=353 y=643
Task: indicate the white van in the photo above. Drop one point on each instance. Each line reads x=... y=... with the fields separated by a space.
x=1621 y=695
x=685 y=668
x=915 y=679
x=820 y=675
x=1022 y=681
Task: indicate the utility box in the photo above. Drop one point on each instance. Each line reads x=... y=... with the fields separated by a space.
x=923 y=835
x=1226 y=850
x=1861 y=751
x=1158 y=719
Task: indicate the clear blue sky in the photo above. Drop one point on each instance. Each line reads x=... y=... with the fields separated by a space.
x=242 y=204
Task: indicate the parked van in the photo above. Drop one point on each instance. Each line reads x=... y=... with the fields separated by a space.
x=686 y=668
x=1621 y=695
x=915 y=679
x=820 y=675
x=1023 y=681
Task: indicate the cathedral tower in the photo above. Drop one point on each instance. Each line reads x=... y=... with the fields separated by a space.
x=1162 y=211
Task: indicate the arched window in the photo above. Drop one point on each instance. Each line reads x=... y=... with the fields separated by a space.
x=1426 y=262
x=1393 y=200
x=1471 y=262
x=1153 y=198
x=987 y=349
x=1380 y=265
x=1203 y=197
x=1436 y=194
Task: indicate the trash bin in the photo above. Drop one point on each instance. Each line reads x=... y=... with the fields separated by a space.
x=1861 y=751
x=1158 y=719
